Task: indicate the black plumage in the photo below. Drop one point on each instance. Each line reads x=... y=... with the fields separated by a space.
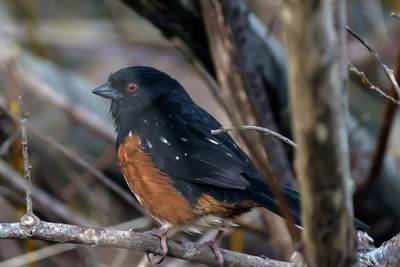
x=176 y=134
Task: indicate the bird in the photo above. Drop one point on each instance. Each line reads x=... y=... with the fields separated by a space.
x=180 y=172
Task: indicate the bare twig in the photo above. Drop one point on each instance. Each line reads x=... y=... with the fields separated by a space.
x=107 y=237
x=365 y=80
x=383 y=137
x=27 y=165
x=256 y=128
x=386 y=69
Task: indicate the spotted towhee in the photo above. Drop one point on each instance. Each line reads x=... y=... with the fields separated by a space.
x=180 y=172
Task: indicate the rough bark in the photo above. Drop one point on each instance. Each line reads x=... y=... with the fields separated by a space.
x=33 y=228
x=317 y=83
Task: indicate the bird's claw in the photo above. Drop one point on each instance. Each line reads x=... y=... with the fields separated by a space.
x=214 y=244
x=162 y=234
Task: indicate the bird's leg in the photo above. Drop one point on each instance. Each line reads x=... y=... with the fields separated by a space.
x=162 y=234
x=214 y=244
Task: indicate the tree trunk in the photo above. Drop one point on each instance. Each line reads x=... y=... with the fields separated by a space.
x=318 y=94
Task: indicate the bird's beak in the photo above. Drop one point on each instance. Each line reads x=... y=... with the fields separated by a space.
x=107 y=91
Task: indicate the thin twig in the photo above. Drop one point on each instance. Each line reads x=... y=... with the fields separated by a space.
x=365 y=80
x=386 y=69
x=387 y=121
x=256 y=128
x=27 y=165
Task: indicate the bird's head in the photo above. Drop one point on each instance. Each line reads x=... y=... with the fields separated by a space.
x=134 y=90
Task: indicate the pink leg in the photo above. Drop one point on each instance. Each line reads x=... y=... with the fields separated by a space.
x=162 y=234
x=215 y=247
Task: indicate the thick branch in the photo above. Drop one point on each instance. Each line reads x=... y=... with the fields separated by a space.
x=31 y=227
x=64 y=233
x=386 y=255
x=318 y=85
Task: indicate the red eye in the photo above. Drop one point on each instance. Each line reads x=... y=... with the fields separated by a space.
x=131 y=87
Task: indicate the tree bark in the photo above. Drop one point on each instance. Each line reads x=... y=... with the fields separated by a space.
x=318 y=85
x=30 y=227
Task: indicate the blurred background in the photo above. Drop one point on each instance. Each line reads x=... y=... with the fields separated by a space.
x=54 y=52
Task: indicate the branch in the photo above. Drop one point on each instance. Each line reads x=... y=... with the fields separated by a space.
x=318 y=94
x=33 y=228
x=386 y=69
x=388 y=254
x=365 y=80
x=383 y=135
x=256 y=128
x=27 y=165
x=30 y=227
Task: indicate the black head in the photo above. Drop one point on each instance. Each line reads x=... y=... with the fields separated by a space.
x=134 y=90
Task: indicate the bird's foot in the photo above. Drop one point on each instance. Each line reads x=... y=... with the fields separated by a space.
x=162 y=234
x=214 y=244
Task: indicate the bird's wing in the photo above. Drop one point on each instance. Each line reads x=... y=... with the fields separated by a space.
x=182 y=146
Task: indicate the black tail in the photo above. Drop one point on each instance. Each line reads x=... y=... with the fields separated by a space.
x=292 y=197
x=267 y=200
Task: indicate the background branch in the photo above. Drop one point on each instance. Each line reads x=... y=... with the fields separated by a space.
x=318 y=96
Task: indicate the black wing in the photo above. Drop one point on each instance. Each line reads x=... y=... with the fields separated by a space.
x=182 y=146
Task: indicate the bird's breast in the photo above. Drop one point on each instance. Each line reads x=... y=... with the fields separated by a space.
x=153 y=188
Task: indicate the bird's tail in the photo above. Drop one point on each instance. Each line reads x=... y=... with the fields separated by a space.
x=292 y=197
x=266 y=199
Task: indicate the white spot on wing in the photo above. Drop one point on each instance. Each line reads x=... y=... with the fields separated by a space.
x=165 y=141
x=184 y=139
x=149 y=145
x=229 y=154
x=212 y=141
x=177 y=157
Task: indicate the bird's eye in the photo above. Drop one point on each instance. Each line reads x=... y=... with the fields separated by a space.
x=131 y=87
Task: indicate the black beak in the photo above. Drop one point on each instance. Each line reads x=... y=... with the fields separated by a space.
x=107 y=91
